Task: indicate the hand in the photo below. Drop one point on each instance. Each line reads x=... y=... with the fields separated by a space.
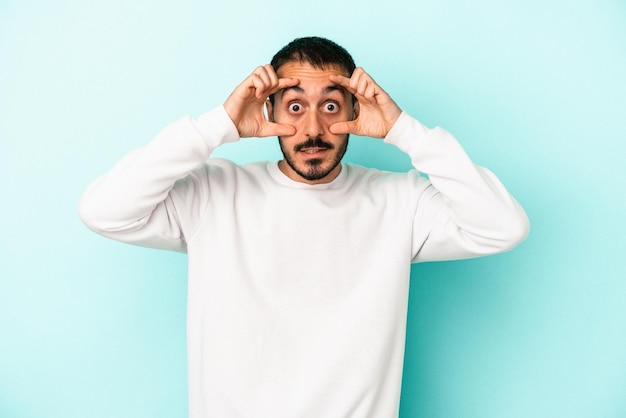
x=376 y=113
x=245 y=104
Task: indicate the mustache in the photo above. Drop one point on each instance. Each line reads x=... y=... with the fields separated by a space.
x=316 y=142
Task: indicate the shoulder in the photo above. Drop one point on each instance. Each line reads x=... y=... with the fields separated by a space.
x=383 y=178
x=222 y=173
x=222 y=166
x=387 y=187
x=398 y=192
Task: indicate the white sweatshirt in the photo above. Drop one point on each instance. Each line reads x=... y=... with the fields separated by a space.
x=298 y=293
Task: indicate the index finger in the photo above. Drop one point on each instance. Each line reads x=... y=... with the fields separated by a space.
x=347 y=83
x=342 y=81
x=282 y=84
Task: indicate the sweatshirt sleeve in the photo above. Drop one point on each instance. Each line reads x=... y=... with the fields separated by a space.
x=135 y=201
x=465 y=211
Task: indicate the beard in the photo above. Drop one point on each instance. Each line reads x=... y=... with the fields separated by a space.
x=313 y=169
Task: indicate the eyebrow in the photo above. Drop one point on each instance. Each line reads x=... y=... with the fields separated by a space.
x=298 y=89
x=295 y=88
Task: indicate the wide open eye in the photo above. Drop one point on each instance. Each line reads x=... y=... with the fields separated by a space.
x=295 y=107
x=331 y=107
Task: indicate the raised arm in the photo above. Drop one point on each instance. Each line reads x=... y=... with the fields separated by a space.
x=147 y=197
x=133 y=203
x=465 y=211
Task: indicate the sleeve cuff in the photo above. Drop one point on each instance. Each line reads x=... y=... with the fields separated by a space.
x=216 y=127
x=407 y=134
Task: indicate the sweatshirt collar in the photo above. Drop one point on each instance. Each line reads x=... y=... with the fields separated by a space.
x=280 y=177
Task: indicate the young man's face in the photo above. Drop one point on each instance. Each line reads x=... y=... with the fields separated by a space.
x=313 y=154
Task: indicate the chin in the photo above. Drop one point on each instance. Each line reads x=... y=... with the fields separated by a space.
x=314 y=169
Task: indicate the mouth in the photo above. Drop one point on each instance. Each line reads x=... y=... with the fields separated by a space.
x=314 y=151
x=313 y=148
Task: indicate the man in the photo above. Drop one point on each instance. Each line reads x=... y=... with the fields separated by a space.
x=299 y=270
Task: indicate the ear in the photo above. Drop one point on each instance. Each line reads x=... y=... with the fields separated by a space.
x=356 y=109
x=270 y=110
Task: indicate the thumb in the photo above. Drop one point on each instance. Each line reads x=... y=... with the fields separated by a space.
x=347 y=127
x=278 y=129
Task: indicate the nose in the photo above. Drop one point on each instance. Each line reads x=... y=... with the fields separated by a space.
x=313 y=125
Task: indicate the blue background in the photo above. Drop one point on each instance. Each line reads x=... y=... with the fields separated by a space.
x=533 y=89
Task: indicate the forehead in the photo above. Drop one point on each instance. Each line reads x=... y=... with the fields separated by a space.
x=313 y=80
x=305 y=71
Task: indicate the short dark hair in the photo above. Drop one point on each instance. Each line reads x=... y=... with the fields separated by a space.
x=314 y=50
x=317 y=51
